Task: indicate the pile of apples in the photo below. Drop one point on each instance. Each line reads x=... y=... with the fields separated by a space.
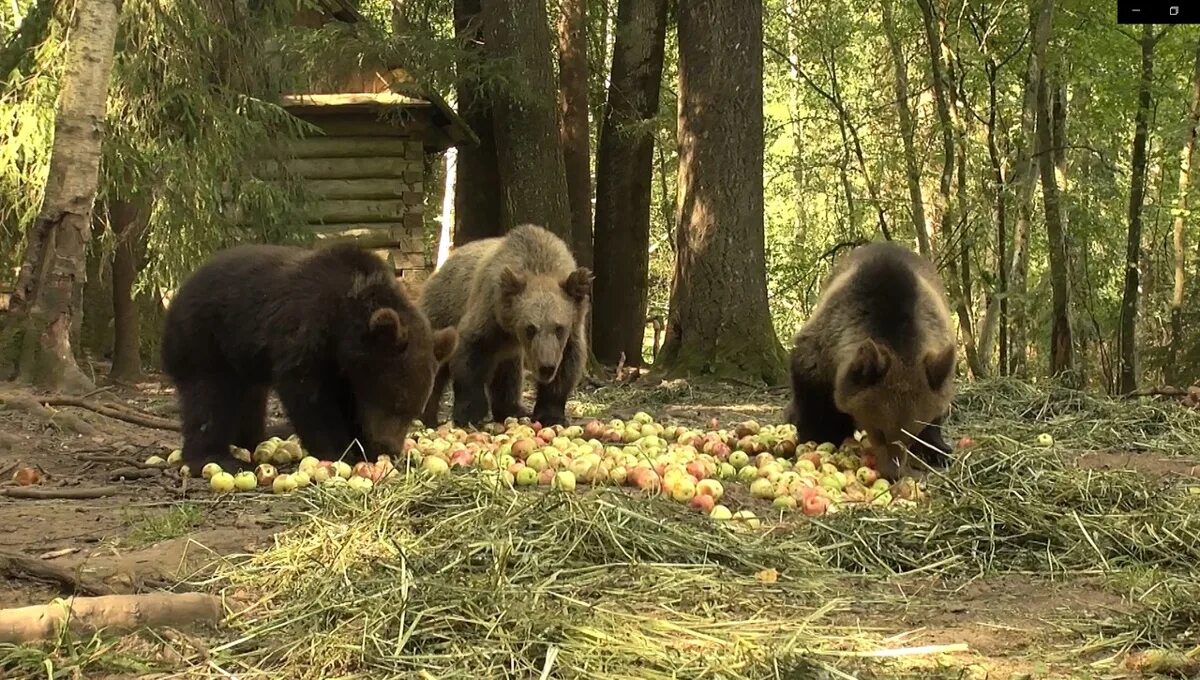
x=274 y=453
x=688 y=466
x=685 y=465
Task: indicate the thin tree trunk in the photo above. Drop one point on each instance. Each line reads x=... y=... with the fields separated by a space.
x=720 y=324
x=907 y=133
x=36 y=337
x=533 y=177
x=1128 y=378
x=446 y=222
x=944 y=212
x=129 y=220
x=479 y=211
x=624 y=173
x=1181 y=210
x=995 y=320
x=1024 y=180
x=1050 y=136
x=575 y=132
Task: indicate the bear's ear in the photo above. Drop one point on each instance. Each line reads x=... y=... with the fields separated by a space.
x=939 y=366
x=385 y=326
x=578 y=284
x=445 y=342
x=512 y=284
x=869 y=365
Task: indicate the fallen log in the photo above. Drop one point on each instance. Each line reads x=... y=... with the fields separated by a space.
x=84 y=616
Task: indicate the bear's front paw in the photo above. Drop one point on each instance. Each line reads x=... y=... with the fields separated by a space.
x=470 y=415
x=228 y=464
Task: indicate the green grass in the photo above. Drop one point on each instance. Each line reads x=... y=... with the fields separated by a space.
x=151 y=527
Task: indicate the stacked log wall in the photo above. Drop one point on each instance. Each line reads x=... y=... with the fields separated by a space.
x=366 y=179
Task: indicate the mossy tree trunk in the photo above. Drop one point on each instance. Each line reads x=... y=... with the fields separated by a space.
x=1024 y=181
x=1127 y=375
x=576 y=139
x=719 y=323
x=46 y=301
x=1051 y=130
x=624 y=173
x=479 y=211
x=1186 y=154
x=533 y=178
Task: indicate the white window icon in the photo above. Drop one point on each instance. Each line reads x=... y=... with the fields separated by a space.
x=1174 y=11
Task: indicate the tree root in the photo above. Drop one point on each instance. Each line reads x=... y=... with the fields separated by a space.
x=15 y=565
x=114 y=412
x=116 y=613
x=72 y=492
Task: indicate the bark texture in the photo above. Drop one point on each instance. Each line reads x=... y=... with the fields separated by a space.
x=576 y=138
x=525 y=115
x=129 y=220
x=479 y=211
x=1024 y=180
x=1051 y=130
x=1127 y=377
x=1186 y=154
x=719 y=321
x=46 y=300
x=912 y=167
x=624 y=173
x=945 y=213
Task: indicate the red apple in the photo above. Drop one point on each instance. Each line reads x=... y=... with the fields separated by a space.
x=815 y=505
x=702 y=502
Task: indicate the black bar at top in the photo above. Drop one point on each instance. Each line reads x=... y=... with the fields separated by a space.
x=1158 y=11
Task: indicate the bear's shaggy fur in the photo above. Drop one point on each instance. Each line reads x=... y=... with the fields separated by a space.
x=518 y=301
x=877 y=354
x=351 y=357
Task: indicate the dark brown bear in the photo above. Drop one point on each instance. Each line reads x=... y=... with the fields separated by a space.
x=351 y=357
x=877 y=354
x=518 y=301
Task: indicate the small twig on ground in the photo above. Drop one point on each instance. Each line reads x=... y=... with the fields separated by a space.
x=72 y=492
x=15 y=565
x=127 y=461
x=131 y=473
x=86 y=615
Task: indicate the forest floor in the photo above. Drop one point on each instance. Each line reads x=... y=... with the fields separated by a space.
x=1066 y=562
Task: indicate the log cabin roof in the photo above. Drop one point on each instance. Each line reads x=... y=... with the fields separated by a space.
x=389 y=89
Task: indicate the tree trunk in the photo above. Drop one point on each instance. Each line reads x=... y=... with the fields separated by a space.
x=912 y=166
x=995 y=320
x=1050 y=139
x=624 y=172
x=1181 y=211
x=129 y=220
x=533 y=178
x=575 y=132
x=1024 y=179
x=479 y=211
x=446 y=221
x=37 y=330
x=945 y=207
x=719 y=321
x=1128 y=379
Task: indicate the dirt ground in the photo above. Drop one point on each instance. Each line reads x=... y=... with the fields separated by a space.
x=151 y=533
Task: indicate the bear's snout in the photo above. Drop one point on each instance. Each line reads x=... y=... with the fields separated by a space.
x=546 y=373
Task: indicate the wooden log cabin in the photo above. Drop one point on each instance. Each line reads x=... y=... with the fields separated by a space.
x=367 y=174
